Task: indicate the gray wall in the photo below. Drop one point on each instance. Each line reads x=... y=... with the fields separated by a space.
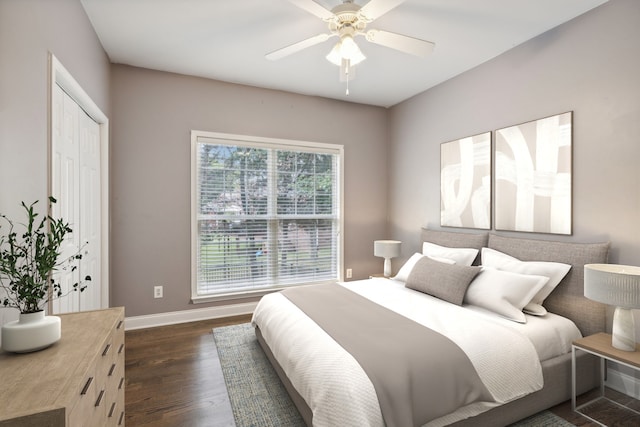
x=29 y=30
x=590 y=66
x=153 y=114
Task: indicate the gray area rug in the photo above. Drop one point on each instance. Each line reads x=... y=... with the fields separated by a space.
x=258 y=398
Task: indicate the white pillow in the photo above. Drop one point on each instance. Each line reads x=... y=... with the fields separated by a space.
x=503 y=292
x=461 y=256
x=555 y=271
x=405 y=270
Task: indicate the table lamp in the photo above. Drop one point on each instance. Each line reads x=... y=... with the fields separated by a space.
x=617 y=285
x=387 y=249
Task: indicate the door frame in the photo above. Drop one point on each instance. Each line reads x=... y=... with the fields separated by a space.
x=58 y=75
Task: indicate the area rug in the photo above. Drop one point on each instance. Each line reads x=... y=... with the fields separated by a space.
x=258 y=398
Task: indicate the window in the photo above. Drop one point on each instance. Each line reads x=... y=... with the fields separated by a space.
x=266 y=214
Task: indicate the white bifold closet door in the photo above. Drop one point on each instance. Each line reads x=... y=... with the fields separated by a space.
x=75 y=183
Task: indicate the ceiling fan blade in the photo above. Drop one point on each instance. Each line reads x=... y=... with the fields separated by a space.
x=405 y=44
x=376 y=8
x=296 y=47
x=314 y=8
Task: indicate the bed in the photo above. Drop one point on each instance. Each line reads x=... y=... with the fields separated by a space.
x=507 y=370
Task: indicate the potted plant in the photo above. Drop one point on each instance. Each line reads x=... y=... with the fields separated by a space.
x=28 y=259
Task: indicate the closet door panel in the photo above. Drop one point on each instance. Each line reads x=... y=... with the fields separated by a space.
x=66 y=190
x=90 y=221
x=75 y=183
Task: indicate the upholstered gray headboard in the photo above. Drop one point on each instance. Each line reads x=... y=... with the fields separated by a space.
x=568 y=298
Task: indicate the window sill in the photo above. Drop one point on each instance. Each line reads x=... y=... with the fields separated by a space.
x=258 y=293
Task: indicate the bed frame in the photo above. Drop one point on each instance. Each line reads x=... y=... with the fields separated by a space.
x=566 y=300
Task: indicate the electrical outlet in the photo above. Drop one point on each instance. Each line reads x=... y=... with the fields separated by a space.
x=349 y=273
x=157 y=291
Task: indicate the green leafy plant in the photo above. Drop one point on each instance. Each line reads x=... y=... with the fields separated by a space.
x=29 y=257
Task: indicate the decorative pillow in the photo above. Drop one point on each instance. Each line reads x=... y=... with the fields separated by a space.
x=405 y=270
x=461 y=256
x=503 y=292
x=448 y=282
x=555 y=271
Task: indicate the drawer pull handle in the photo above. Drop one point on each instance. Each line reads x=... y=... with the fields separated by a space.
x=119 y=325
x=85 y=389
x=113 y=367
x=121 y=418
x=121 y=383
x=106 y=349
x=121 y=348
x=113 y=407
x=99 y=400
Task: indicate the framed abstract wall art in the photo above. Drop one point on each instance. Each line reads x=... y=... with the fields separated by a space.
x=533 y=176
x=465 y=182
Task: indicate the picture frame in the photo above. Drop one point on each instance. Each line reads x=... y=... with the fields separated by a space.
x=465 y=182
x=533 y=176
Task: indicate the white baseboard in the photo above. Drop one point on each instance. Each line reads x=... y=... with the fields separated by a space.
x=175 y=317
x=624 y=383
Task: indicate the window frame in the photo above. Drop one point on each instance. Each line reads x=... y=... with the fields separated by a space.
x=197 y=137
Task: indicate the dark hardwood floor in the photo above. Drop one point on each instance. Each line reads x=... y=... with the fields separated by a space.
x=169 y=381
x=604 y=411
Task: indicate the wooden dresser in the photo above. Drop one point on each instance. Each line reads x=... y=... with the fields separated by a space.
x=78 y=381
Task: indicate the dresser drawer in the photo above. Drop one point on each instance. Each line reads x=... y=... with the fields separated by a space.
x=115 y=405
x=84 y=409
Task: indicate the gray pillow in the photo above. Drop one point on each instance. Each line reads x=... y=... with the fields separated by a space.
x=448 y=282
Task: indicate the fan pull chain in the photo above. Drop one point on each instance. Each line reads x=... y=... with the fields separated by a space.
x=346 y=71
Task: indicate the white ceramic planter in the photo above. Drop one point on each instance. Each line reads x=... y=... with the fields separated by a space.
x=31 y=332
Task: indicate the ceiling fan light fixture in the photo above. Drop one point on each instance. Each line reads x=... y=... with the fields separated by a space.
x=334 y=56
x=357 y=58
x=346 y=48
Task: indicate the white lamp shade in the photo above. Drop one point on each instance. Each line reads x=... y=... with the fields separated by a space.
x=617 y=285
x=386 y=248
x=613 y=284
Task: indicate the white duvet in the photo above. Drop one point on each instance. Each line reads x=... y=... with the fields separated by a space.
x=339 y=392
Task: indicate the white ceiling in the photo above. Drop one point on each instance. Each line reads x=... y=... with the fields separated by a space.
x=228 y=39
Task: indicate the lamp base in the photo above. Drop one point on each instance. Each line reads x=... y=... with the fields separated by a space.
x=624 y=330
x=387 y=267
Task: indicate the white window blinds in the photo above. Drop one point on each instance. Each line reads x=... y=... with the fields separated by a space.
x=266 y=214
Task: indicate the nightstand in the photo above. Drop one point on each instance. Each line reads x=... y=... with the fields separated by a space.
x=600 y=346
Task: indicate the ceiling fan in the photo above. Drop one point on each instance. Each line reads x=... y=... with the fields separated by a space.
x=346 y=21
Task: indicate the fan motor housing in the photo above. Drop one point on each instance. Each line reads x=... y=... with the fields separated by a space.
x=347 y=15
